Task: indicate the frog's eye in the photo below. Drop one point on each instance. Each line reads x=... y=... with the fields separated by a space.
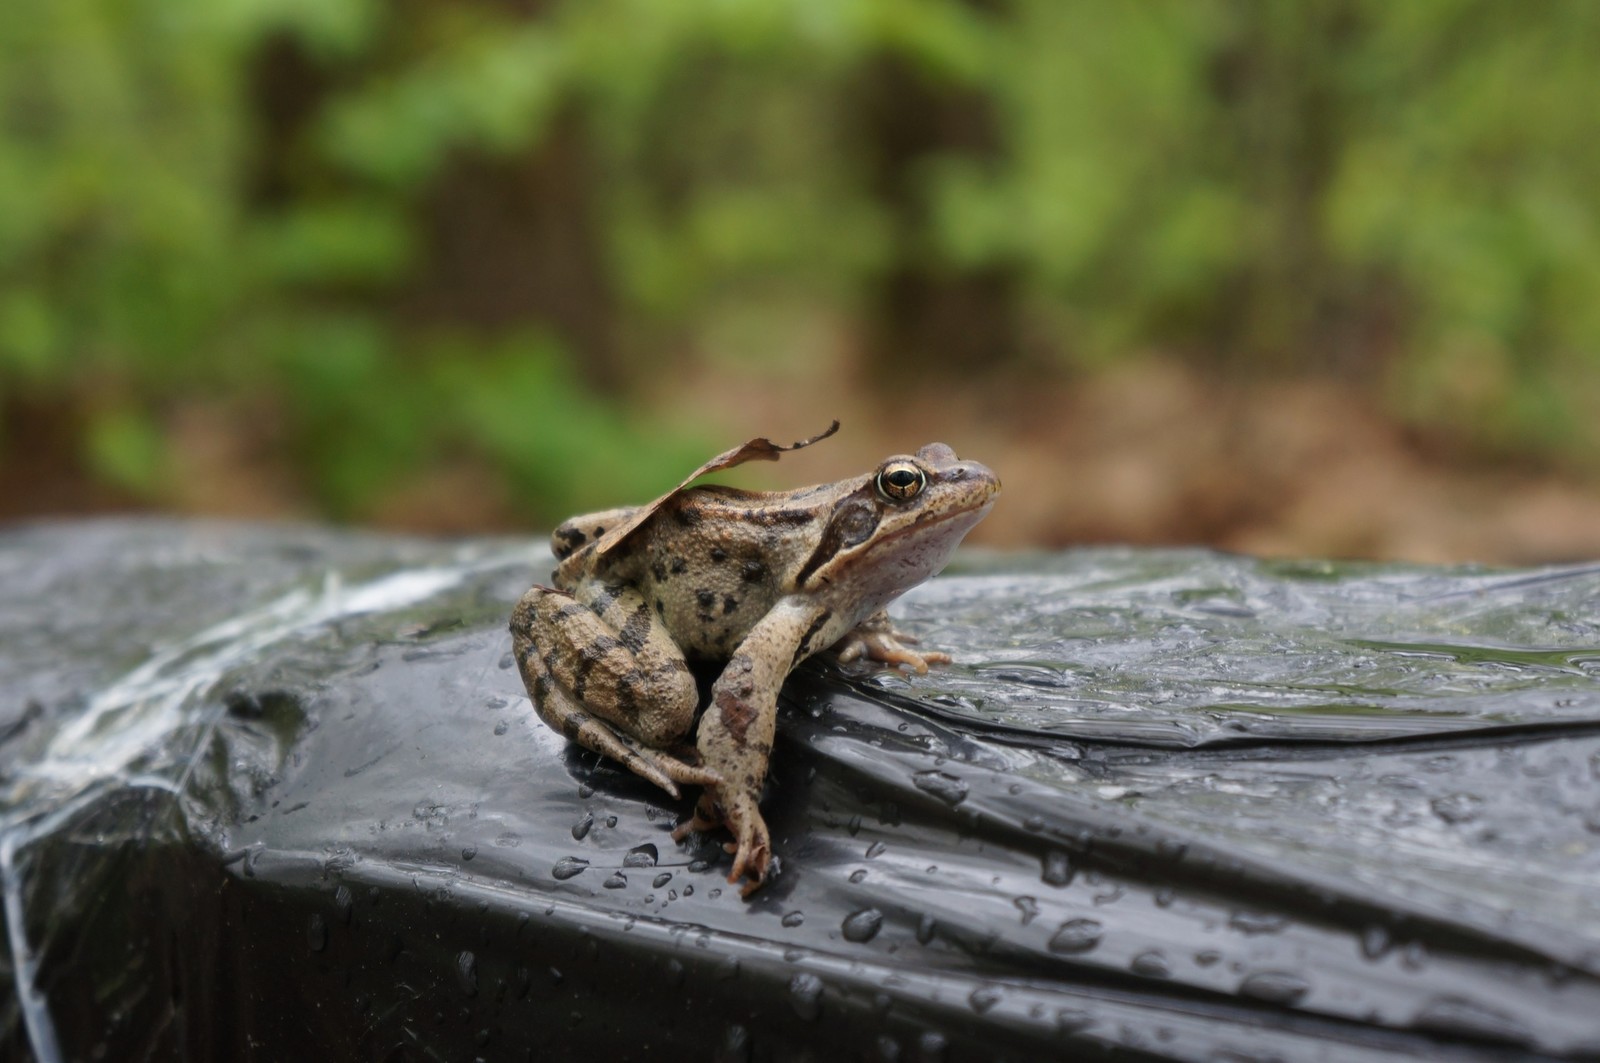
x=900 y=481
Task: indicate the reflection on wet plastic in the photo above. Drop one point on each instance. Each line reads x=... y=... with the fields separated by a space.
x=275 y=791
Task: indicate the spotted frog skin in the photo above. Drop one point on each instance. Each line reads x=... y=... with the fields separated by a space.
x=756 y=579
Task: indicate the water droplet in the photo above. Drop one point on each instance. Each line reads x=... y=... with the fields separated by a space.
x=1275 y=987
x=1257 y=922
x=857 y=875
x=1207 y=957
x=641 y=856
x=1028 y=906
x=567 y=867
x=735 y=1045
x=317 y=932
x=344 y=903
x=925 y=929
x=805 y=996
x=661 y=880
x=1077 y=935
x=1034 y=823
x=585 y=791
x=1375 y=942
x=580 y=829
x=876 y=849
x=862 y=926
x=931 y=1047
x=675 y=972
x=1457 y=808
x=792 y=919
x=727 y=967
x=983 y=998
x=1058 y=869
x=950 y=789
x=1071 y=1020
x=467 y=973
x=888 y=1049
x=1171 y=848
x=502 y=727
x=854 y=826
x=469 y=852
x=616 y=881
x=1151 y=964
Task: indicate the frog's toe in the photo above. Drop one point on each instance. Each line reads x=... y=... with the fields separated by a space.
x=890 y=647
x=752 y=854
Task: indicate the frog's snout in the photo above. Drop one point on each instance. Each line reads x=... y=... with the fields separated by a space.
x=975 y=472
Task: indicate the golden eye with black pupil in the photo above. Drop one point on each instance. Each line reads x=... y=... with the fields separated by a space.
x=900 y=481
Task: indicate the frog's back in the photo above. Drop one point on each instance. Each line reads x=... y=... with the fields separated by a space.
x=712 y=563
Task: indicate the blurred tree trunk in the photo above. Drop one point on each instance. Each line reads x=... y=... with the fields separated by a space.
x=506 y=240
x=1284 y=121
x=514 y=239
x=929 y=314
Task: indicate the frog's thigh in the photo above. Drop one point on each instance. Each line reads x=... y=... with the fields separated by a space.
x=608 y=653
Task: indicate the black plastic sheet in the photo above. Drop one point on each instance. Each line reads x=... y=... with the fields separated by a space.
x=277 y=793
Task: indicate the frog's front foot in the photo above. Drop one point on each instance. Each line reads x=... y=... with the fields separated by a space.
x=876 y=639
x=751 y=846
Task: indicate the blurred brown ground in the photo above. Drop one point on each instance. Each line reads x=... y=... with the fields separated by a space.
x=1150 y=453
x=1154 y=453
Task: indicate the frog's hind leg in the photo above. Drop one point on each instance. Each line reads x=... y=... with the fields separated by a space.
x=608 y=680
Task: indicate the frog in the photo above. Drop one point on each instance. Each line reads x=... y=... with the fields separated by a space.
x=756 y=581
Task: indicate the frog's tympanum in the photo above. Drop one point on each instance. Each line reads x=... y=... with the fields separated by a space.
x=759 y=580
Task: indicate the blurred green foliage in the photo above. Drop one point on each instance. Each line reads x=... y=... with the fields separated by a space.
x=247 y=198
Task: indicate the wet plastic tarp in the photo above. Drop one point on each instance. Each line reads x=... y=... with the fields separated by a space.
x=277 y=793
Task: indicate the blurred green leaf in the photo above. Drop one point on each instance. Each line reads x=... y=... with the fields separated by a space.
x=125 y=447
x=304 y=204
x=361 y=241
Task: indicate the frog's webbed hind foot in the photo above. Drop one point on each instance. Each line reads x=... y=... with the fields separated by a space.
x=705 y=818
x=658 y=766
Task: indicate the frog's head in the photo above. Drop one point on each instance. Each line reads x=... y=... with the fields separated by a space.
x=892 y=529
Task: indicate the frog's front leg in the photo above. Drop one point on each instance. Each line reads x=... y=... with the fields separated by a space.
x=876 y=639
x=736 y=731
x=603 y=671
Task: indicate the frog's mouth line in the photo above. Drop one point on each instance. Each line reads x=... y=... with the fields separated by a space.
x=922 y=523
